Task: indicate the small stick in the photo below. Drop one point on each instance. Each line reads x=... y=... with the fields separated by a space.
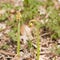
x=6 y=53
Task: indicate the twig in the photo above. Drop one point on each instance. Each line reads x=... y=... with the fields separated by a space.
x=6 y=53
x=45 y=34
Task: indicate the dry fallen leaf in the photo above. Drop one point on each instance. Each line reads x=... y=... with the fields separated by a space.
x=2 y=25
x=2 y=11
x=26 y=33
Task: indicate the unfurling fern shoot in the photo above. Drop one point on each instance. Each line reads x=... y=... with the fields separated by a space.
x=37 y=27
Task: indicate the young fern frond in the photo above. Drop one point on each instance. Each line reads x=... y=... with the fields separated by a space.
x=37 y=26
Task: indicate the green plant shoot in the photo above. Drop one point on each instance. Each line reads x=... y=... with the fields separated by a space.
x=37 y=27
x=18 y=39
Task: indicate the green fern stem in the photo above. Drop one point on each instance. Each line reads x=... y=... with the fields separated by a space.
x=18 y=40
x=38 y=44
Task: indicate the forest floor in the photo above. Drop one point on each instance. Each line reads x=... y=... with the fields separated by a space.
x=8 y=46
